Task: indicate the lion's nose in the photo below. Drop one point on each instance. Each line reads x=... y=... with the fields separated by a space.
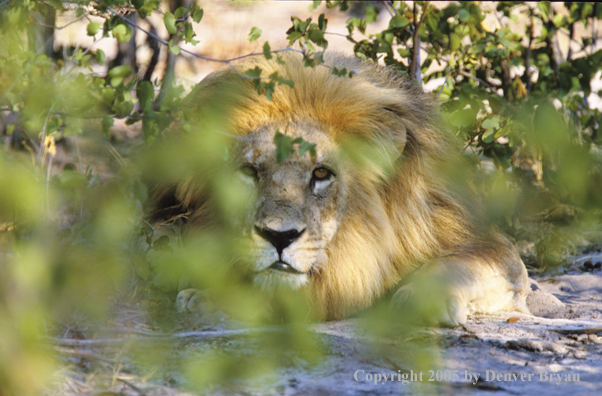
x=279 y=239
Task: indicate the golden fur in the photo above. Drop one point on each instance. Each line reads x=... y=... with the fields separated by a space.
x=392 y=214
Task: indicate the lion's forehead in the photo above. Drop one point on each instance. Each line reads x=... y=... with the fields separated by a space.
x=258 y=146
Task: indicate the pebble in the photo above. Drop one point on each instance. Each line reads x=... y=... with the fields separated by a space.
x=579 y=355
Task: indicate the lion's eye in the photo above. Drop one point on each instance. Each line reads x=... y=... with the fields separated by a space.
x=321 y=174
x=249 y=171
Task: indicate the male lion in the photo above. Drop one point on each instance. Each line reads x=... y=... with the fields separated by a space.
x=371 y=208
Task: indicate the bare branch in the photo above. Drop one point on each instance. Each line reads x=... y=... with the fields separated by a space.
x=528 y=57
x=485 y=83
x=60 y=27
x=415 y=72
x=389 y=6
x=196 y=55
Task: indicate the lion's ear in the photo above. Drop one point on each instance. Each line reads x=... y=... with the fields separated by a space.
x=394 y=127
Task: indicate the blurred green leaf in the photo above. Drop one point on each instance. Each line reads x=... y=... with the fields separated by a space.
x=254 y=34
x=399 y=21
x=93 y=28
x=266 y=51
x=170 y=22
x=100 y=56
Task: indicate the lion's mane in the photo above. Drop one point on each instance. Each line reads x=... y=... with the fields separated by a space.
x=392 y=223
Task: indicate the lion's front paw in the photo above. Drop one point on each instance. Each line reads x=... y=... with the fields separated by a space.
x=442 y=309
x=191 y=300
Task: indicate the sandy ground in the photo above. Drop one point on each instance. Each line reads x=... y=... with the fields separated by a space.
x=509 y=353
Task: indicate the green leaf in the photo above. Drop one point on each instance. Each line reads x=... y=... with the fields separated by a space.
x=254 y=34
x=266 y=51
x=197 y=13
x=294 y=36
x=170 y=23
x=290 y=83
x=119 y=31
x=339 y=73
x=359 y=23
x=454 y=41
x=544 y=8
x=146 y=95
x=106 y=124
x=284 y=146
x=371 y=14
x=122 y=33
x=322 y=22
x=120 y=71
x=559 y=20
x=488 y=136
x=115 y=81
x=491 y=123
x=174 y=48
x=463 y=15
x=404 y=52
x=463 y=118
x=317 y=36
x=93 y=28
x=256 y=72
x=306 y=146
x=399 y=21
x=58 y=4
x=100 y=56
x=179 y=12
x=138 y=4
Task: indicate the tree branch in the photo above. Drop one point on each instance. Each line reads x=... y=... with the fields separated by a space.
x=415 y=72
x=196 y=55
x=485 y=83
x=528 y=58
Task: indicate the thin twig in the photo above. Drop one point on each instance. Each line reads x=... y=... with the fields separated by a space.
x=584 y=330
x=153 y=336
x=84 y=354
x=337 y=34
x=594 y=28
x=134 y=387
x=528 y=58
x=207 y=58
x=118 y=157
x=390 y=8
x=443 y=85
x=415 y=72
x=485 y=83
x=60 y=27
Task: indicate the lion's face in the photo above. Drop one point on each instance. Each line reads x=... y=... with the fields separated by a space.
x=294 y=210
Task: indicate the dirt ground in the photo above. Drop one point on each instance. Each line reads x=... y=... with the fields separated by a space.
x=506 y=353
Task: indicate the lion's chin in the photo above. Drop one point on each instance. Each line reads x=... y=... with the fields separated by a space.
x=271 y=279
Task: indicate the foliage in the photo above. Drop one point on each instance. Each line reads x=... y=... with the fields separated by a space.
x=66 y=235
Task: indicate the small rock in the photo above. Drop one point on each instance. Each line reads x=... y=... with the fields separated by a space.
x=513 y=319
x=595 y=339
x=579 y=355
x=583 y=338
x=545 y=305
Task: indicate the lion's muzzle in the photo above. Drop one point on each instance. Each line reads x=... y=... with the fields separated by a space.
x=279 y=239
x=284 y=267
